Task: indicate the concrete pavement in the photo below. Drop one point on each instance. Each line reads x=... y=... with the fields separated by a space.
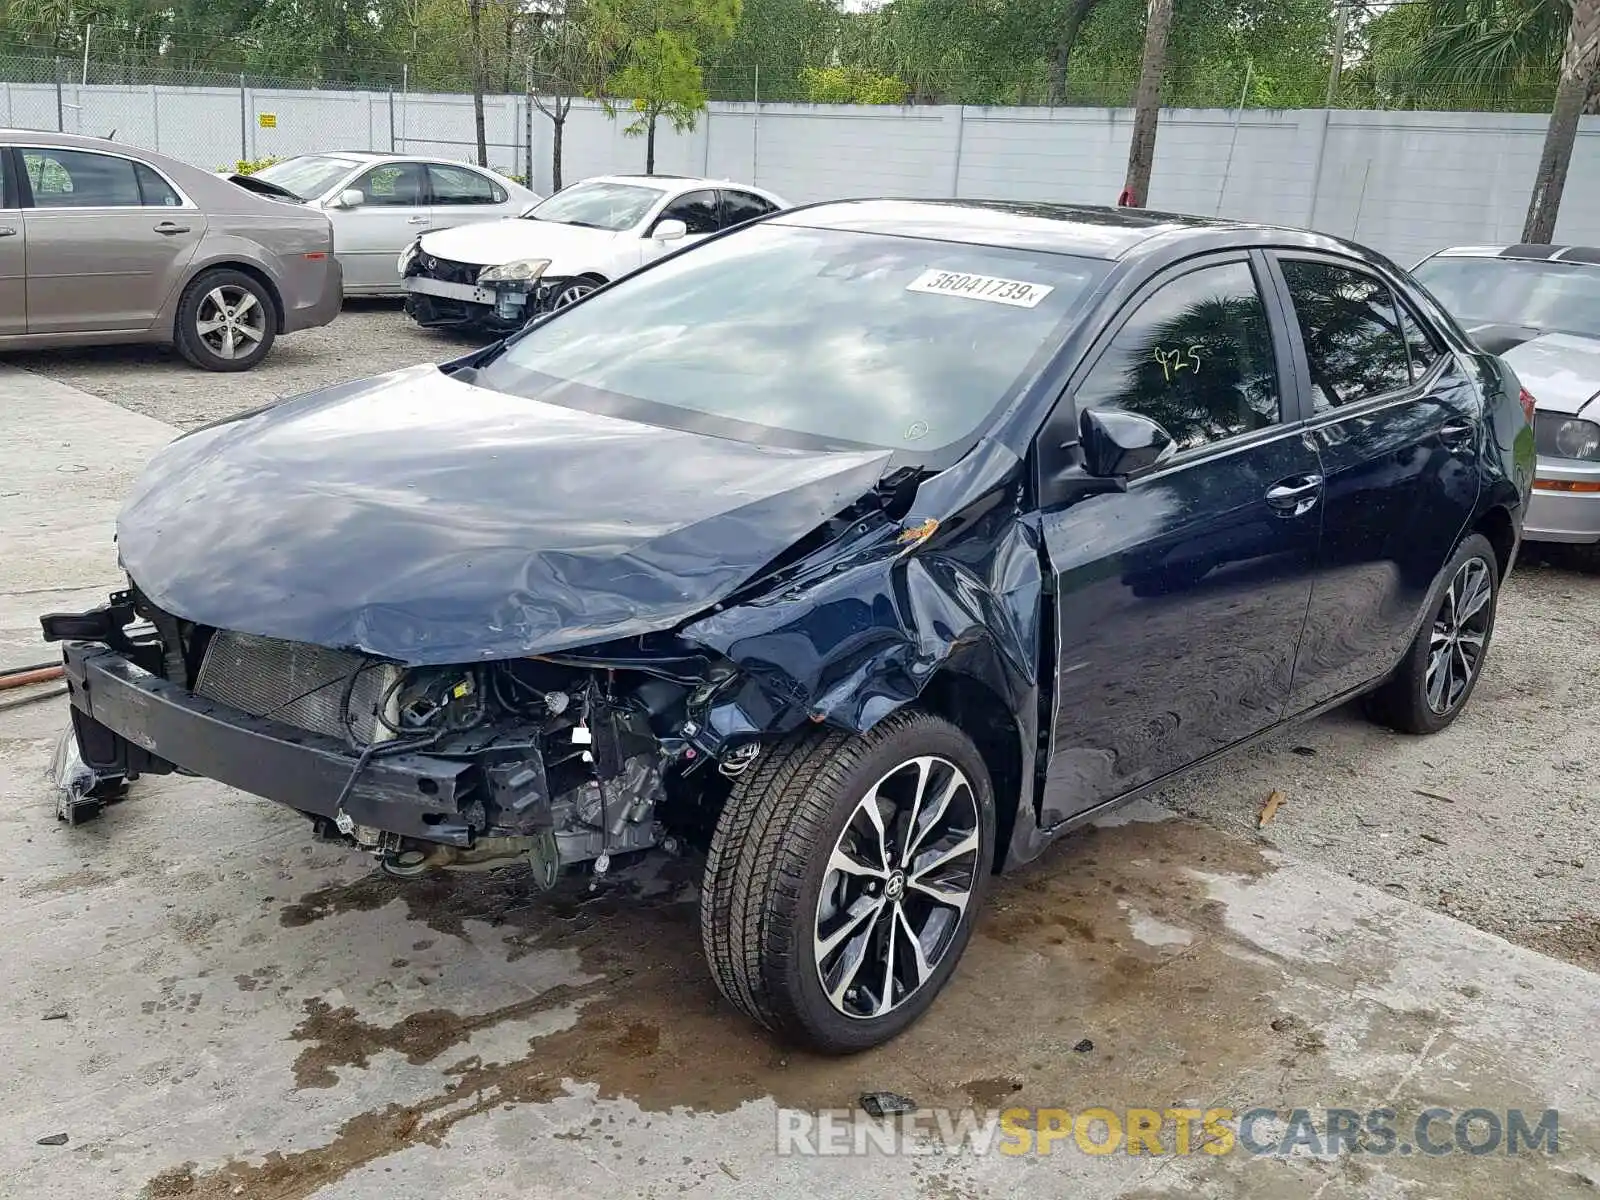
x=249 y=1014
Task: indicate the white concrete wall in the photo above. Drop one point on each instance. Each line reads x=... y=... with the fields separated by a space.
x=1405 y=183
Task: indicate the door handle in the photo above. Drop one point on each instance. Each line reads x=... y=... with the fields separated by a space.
x=1295 y=496
x=7 y=231
x=168 y=228
x=1456 y=433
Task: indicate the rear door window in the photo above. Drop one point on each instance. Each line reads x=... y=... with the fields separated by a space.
x=1422 y=344
x=739 y=207
x=1196 y=357
x=155 y=191
x=1355 y=348
x=457 y=185
x=79 y=179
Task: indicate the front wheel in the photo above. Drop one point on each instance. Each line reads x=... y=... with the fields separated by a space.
x=844 y=878
x=1433 y=682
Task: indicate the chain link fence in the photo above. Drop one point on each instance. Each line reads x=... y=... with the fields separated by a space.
x=228 y=119
x=1215 y=86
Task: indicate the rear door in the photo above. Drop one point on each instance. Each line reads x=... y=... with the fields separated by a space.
x=13 y=256
x=461 y=195
x=1396 y=421
x=1179 y=603
x=108 y=239
x=394 y=210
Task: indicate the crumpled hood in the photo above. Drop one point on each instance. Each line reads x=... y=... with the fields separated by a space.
x=423 y=519
x=571 y=249
x=1562 y=370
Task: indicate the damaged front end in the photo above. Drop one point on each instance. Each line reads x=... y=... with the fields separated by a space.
x=560 y=650
x=561 y=760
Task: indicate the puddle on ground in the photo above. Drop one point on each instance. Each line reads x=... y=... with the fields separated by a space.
x=1056 y=961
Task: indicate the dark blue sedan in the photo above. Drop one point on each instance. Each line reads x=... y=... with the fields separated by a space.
x=864 y=549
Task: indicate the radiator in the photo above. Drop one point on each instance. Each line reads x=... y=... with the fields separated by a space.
x=296 y=683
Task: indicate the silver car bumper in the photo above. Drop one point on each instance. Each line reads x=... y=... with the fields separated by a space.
x=1566 y=502
x=449 y=291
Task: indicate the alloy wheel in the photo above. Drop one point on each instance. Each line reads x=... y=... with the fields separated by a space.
x=231 y=321
x=571 y=294
x=897 y=887
x=1460 y=635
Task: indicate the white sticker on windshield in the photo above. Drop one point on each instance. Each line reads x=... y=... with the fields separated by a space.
x=1015 y=292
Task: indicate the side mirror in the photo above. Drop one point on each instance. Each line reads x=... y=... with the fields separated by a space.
x=350 y=198
x=1116 y=445
x=669 y=231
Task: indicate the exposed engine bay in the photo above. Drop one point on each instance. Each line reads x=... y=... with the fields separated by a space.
x=560 y=760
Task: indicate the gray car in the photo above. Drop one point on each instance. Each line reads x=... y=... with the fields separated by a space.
x=103 y=243
x=380 y=203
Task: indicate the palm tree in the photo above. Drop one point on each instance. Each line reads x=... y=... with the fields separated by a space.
x=1503 y=51
x=1580 y=75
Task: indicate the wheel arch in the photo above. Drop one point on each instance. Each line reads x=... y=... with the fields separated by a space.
x=981 y=713
x=1497 y=525
x=244 y=268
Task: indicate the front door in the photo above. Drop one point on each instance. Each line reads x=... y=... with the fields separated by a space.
x=701 y=214
x=1179 y=603
x=13 y=256
x=107 y=240
x=1395 y=421
x=394 y=211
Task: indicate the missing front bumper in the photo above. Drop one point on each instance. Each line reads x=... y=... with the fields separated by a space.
x=130 y=721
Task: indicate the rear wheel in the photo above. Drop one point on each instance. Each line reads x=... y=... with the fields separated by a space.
x=1432 y=684
x=844 y=878
x=226 y=321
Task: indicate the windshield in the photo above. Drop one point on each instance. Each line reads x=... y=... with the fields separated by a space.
x=843 y=338
x=310 y=175
x=613 y=206
x=1548 y=296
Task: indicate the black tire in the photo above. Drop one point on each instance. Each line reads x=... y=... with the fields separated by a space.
x=198 y=304
x=1402 y=701
x=769 y=863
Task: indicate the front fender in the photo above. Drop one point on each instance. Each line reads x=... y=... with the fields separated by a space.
x=853 y=641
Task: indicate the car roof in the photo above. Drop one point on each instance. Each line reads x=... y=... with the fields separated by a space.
x=1527 y=250
x=1084 y=230
x=676 y=182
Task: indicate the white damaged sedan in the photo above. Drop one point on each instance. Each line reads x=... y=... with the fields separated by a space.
x=496 y=275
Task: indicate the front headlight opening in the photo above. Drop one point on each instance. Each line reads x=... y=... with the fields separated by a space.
x=1568 y=437
x=525 y=271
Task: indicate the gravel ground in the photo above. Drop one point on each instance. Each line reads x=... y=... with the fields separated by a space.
x=369 y=337
x=1493 y=821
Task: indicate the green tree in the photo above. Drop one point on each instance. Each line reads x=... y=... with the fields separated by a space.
x=1501 y=54
x=562 y=66
x=664 y=80
x=655 y=51
x=851 y=85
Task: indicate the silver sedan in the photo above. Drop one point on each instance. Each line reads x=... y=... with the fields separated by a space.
x=380 y=203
